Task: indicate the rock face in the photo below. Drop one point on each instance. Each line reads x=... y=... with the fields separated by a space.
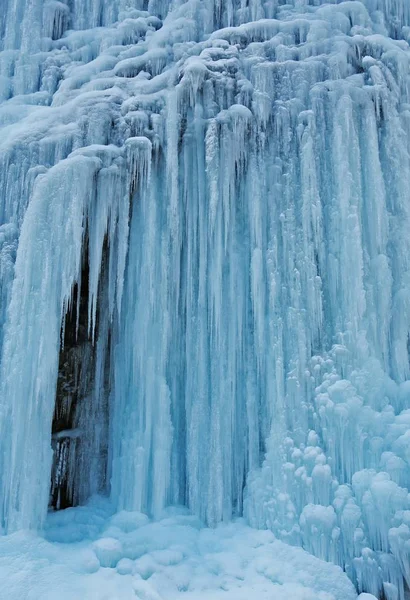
x=80 y=421
x=204 y=216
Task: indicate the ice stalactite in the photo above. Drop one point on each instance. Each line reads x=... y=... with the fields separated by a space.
x=236 y=177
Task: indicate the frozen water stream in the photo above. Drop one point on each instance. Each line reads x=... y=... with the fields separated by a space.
x=214 y=198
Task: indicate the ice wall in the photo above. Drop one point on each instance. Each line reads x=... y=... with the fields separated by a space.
x=247 y=167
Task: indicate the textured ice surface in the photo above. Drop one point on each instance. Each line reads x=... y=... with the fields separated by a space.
x=129 y=557
x=241 y=171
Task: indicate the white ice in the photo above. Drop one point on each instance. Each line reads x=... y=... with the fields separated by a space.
x=126 y=556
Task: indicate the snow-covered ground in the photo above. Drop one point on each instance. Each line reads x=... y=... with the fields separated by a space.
x=89 y=554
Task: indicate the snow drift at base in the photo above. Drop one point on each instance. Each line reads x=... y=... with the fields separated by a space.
x=126 y=556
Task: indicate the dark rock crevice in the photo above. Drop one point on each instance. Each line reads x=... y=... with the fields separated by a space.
x=80 y=422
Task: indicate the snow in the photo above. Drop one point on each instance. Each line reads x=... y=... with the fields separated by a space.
x=127 y=556
x=236 y=178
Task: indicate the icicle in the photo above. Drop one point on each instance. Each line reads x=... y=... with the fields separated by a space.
x=47 y=264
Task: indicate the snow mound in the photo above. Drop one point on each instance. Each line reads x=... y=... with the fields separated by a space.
x=133 y=558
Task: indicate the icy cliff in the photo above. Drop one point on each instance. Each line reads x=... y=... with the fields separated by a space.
x=205 y=267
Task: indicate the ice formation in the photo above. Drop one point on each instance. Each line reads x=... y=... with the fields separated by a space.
x=205 y=267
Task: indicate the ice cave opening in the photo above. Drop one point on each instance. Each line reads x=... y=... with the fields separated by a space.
x=80 y=426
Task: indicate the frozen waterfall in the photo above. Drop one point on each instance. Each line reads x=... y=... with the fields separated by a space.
x=205 y=267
